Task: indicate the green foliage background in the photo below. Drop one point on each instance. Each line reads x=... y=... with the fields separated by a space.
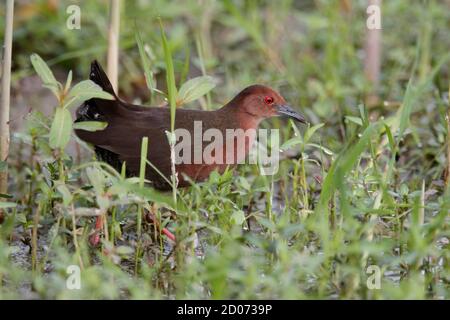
x=362 y=186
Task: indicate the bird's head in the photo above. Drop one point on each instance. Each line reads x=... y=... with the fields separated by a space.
x=263 y=102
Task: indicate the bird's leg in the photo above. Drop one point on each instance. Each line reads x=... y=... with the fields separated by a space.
x=94 y=239
x=150 y=218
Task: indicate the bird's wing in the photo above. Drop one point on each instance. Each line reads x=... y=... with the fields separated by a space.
x=124 y=137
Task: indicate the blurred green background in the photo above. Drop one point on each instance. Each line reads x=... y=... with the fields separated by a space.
x=314 y=53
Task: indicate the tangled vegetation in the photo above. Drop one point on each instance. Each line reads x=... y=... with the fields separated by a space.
x=361 y=190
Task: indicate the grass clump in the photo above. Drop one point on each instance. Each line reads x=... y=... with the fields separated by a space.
x=362 y=190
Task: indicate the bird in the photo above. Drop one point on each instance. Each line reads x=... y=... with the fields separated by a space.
x=127 y=124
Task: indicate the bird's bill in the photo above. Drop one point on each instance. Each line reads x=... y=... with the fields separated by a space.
x=287 y=111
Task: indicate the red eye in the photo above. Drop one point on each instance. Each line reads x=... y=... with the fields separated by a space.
x=268 y=100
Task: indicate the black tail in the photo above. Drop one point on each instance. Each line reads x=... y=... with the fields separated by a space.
x=89 y=110
x=99 y=77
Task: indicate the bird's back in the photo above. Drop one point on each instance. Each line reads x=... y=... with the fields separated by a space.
x=121 y=140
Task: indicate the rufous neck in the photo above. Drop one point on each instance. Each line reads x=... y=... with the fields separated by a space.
x=238 y=118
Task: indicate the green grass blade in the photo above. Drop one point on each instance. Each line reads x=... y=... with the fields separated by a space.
x=145 y=63
x=170 y=77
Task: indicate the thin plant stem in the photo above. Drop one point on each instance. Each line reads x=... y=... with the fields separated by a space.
x=448 y=142
x=144 y=150
x=75 y=239
x=113 y=42
x=5 y=99
x=34 y=237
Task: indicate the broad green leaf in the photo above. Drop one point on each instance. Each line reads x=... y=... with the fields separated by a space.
x=4 y=205
x=61 y=128
x=195 y=88
x=97 y=179
x=260 y=184
x=43 y=70
x=355 y=120
x=238 y=217
x=86 y=90
x=21 y=218
x=309 y=133
x=291 y=142
x=66 y=194
x=90 y=125
x=244 y=183
x=48 y=79
x=296 y=130
x=269 y=224
x=68 y=82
